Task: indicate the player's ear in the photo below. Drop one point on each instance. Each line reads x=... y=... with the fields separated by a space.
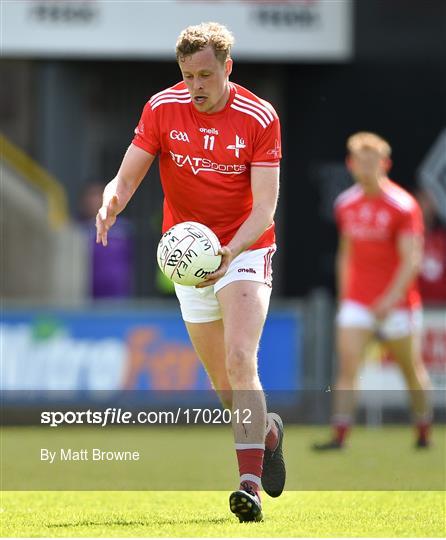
x=228 y=67
x=388 y=164
x=348 y=162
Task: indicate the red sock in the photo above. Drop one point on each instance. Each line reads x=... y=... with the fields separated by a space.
x=423 y=429
x=250 y=464
x=341 y=432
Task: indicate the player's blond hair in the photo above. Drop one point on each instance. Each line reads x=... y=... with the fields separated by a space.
x=367 y=140
x=195 y=38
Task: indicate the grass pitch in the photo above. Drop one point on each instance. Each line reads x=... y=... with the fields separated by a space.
x=313 y=506
x=206 y=514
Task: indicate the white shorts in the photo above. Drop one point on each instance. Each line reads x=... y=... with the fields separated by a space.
x=399 y=323
x=201 y=305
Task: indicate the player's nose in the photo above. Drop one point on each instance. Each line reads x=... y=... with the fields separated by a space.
x=198 y=84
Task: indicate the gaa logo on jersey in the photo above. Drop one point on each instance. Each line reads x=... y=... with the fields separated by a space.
x=179 y=135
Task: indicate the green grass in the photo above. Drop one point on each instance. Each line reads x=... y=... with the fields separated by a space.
x=379 y=486
x=206 y=514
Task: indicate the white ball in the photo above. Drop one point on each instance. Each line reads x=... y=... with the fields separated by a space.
x=188 y=252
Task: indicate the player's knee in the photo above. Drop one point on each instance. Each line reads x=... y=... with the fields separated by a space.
x=240 y=365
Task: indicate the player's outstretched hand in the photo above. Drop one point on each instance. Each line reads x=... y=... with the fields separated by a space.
x=105 y=218
x=226 y=258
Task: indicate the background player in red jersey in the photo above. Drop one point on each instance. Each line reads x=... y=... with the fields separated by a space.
x=219 y=151
x=432 y=279
x=380 y=249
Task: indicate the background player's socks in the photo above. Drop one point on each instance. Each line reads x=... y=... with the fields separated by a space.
x=423 y=424
x=340 y=432
x=272 y=434
x=423 y=431
x=341 y=425
x=250 y=463
x=341 y=428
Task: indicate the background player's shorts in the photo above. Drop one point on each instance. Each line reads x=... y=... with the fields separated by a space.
x=201 y=305
x=398 y=324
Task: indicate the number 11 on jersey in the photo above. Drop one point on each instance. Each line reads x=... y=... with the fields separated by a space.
x=209 y=141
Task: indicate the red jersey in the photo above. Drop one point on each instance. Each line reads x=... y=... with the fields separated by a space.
x=373 y=224
x=206 y=159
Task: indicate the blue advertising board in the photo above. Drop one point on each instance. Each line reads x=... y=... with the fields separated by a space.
x=129 y=350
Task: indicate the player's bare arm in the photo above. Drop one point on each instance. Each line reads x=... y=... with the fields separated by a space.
x=342 y=258
x=265 y=193
x=120 y=190
x=410 y=248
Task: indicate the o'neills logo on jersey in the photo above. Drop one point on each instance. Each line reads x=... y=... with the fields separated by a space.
x=198 y=164
x=210 y=131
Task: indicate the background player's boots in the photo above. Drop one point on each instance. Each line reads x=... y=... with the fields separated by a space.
x=274 y=472
x=245 y=503
x=330 y=445
x=422 y=442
